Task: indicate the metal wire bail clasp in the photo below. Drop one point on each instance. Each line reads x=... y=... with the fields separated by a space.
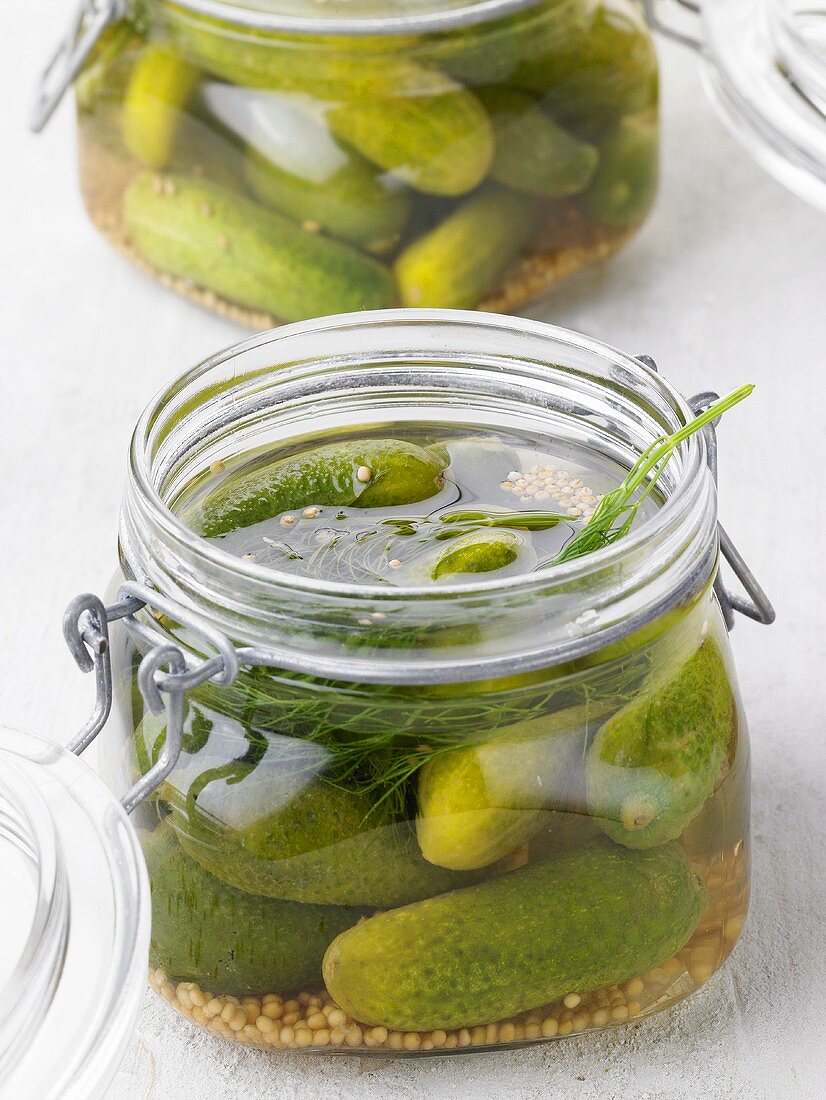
x=687 y=12
x=164 y=675
x=757 y=606
x=89 y=22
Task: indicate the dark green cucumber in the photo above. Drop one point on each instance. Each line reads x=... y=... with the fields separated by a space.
x=353 y=200
x=625 y=184
x=575 y=923
x=655 y=762
x=533 y=153
x=479 y=802
x=458 y=262
x=206 y=233
x=324 y=845
x=372 y=473
x=601 y=67
x=226 y=940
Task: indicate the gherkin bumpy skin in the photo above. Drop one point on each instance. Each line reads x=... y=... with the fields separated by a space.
x=480 y=802
x=159 y=86
x=324 y=846
x=585 y=920
x=654 y=763
x=371 y=473
x=477 y=552
x=355 y=202
x=220 y=240
x=229 y=941
x=458 y=262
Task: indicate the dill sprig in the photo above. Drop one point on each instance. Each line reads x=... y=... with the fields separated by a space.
x=615 y=513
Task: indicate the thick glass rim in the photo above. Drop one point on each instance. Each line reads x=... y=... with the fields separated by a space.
x=692 y=454
x=467 y=13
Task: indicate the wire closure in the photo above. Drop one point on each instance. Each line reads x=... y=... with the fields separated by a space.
x=758 y=606
x=86 y=630
x=663 y=24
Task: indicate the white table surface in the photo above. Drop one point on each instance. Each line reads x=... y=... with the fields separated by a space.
x=725 y=285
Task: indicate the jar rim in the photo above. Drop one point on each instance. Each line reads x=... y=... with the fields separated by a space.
x=568 y=609
x=435 y=18
x=694 y=450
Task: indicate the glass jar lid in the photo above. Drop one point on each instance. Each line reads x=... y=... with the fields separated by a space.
x=764 y=65
x=74 y=924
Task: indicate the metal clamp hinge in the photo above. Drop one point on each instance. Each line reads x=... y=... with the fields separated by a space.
x=164 y=675
x=88 y=24
x=689 y=11
x=757 y=606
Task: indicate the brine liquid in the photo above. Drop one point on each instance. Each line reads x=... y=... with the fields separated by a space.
x=399 y=545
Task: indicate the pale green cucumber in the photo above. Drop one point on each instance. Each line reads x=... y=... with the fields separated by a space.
x=460 y=260
x=199 y=231
x=159 y=87
x=355 y=202
x=372 y=473
x=625 y=184
x=477 y=552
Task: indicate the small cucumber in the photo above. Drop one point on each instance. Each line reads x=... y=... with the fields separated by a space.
x=480 y=802
x=159 y=88
x=477 y=552
x=353 y=200
x=226 y=940
x=200 y=231
x=655 y=762
x=625 y=184
x=432 y=133
x=323 y=845
x=460 y=260
x=601 y=66
x=578 y=922
x=534 y=154
x=373 y=473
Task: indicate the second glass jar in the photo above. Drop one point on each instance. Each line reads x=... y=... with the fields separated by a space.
x=442 y=158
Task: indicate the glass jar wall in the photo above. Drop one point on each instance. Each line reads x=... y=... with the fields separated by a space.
x=279 y=165
x=428 y=817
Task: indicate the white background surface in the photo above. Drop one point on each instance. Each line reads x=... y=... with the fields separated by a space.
x=726 y=284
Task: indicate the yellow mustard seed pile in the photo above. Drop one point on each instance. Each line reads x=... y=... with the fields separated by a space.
x=313 y=1021
x=549 y=486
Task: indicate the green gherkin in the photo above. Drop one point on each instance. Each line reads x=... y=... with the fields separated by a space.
x=229 y=941
x=371 y=473
x=320 y=844
x=580 y=921
x=654 y=763
x=200 y=231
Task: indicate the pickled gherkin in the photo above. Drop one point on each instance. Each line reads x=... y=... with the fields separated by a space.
x=390 y=142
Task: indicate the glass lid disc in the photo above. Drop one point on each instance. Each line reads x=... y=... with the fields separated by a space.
x=766 y=72
x=74 y=924
x=355 y=17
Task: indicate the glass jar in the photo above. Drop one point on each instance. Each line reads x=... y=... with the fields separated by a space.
x=322 y=875
x=74 y=924
x=281 y=161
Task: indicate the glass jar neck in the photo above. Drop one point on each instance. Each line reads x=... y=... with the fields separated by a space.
x=456 y=369
x=365 y=17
